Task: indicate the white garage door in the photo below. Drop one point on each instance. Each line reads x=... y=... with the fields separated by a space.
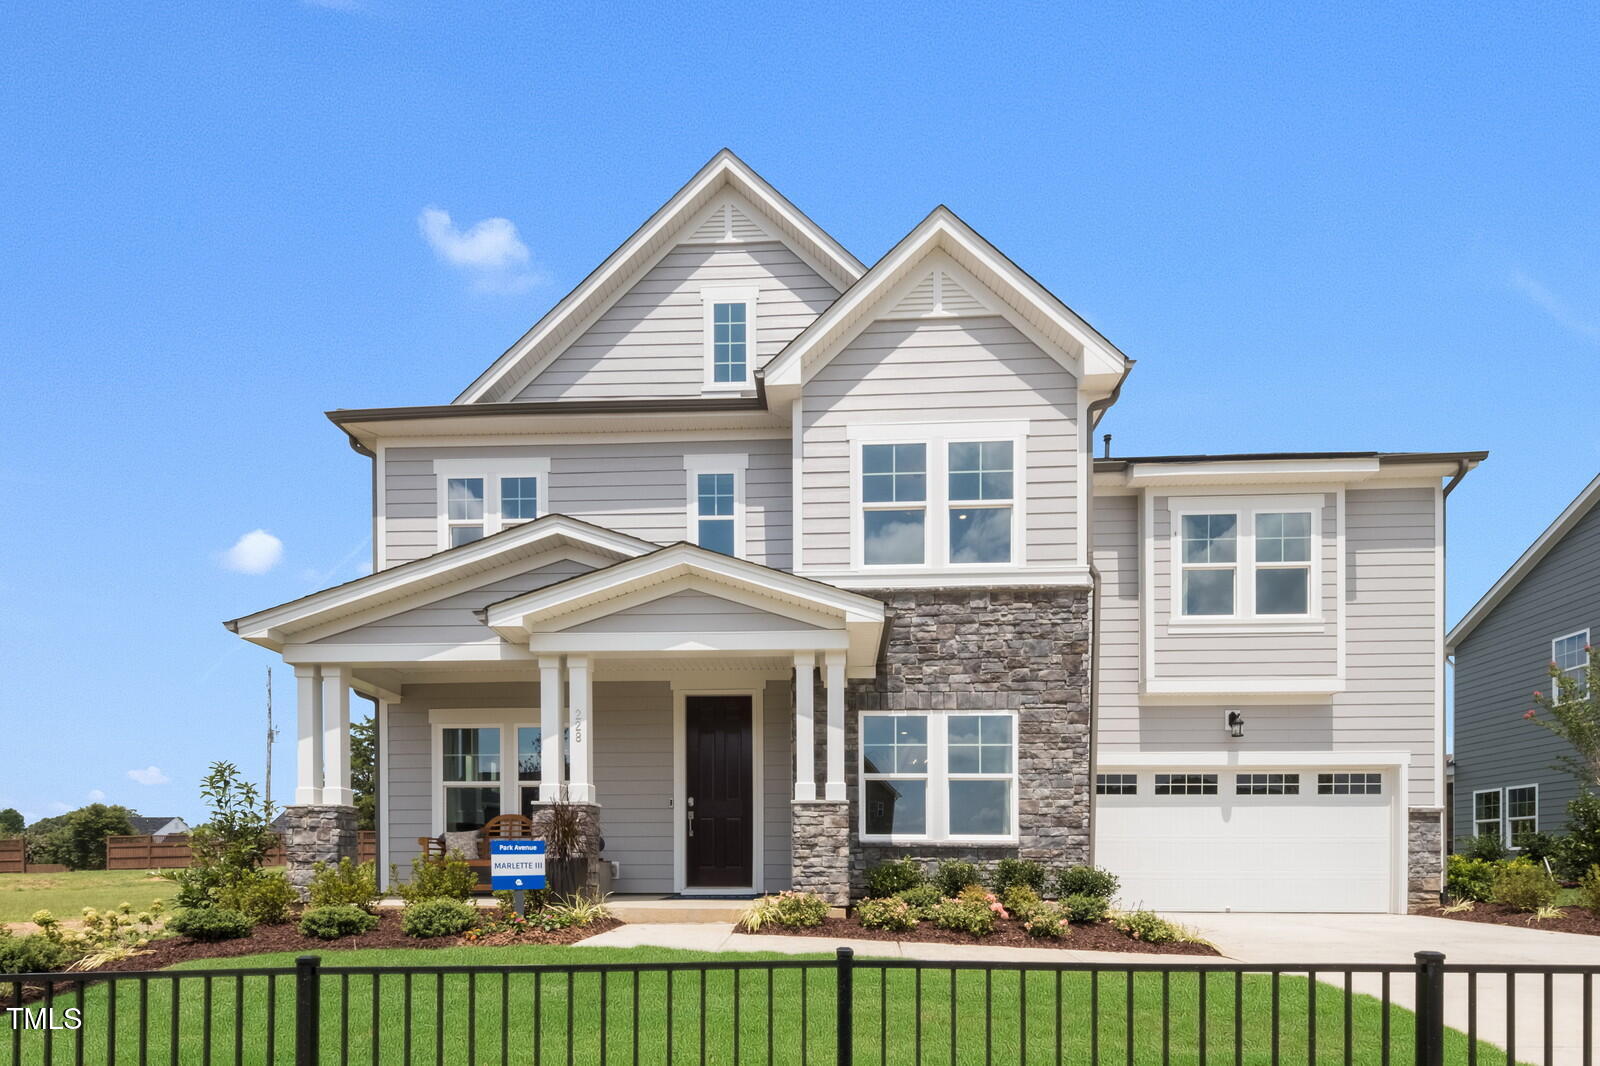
x=1270 y=840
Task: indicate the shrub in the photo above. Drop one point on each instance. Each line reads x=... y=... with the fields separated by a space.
x=231 y=846
x=953 y=875
x=965 y=916
x=1021 y=901
x=1149 y=927
x=1049 y=920
x=792 y=910
x=438 y=916
x=1487 y=847
x=1580 y=848
x=447 y=877
x=975 y=894
x=894 y=876
x=1525 y=886
x=578 y=910
x=1009 y=872
x=1085 y=909
x=33 y=954
x=1086 y=881
x=921 y=898
x=105 y=936
x=1589 y=886
x=263 y=896
x=890 y=913
x=334 y=920
x=1469 y=879
x=1537 y=847
x=210 y=923
x=353 y=883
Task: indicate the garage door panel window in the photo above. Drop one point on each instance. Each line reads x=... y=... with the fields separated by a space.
x=1116 y=784
x=1349 y=784
x=938 y=776
x=1266 y=784
x=1522 y=811
x=1186 y=784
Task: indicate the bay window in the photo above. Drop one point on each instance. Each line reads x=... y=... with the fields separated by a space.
x=947 y=776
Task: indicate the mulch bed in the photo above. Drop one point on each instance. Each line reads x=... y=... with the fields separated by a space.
x=1007 y=933
x=1577 y=920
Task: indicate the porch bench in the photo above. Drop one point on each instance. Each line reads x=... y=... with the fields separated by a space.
x=500 y=827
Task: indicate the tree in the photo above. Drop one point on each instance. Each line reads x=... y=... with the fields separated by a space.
x=233 y=842
x=364 y=771
x=11 y=823
x=1571 y=710
x=86 y=832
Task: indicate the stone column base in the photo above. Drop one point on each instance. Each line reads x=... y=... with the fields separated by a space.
x=592 y=842
x=820 y=849
x=316 y=833
x=1424 y=856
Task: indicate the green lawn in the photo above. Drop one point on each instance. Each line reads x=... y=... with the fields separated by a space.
x=65 y=895
x=989 y=1013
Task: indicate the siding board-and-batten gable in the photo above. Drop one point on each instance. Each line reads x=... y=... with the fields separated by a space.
x=1504 y=659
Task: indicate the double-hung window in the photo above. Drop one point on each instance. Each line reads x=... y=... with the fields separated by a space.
x=471 y=776
x=948 y=776
x=1570 y=654
x=716 y=502
x=981 y=478
x=1245 y=558
x=481 y=497
x=1486 y=813
x=1522 y=812
x=894 y=502
x=730 y=333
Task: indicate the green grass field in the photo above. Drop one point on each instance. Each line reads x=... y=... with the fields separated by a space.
x=995 y=1017
x=65 y=895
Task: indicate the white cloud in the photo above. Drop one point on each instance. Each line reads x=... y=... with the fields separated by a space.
x=96 y=796
x=254 y=553
x=490 y=250
x=1555 y=307
x=150 y=775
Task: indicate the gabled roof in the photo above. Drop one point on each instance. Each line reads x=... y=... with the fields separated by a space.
x=725 y=172
x=942 y=230
x=1529 y=559
x=276 y=626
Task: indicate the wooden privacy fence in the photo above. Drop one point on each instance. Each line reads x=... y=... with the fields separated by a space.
x=172 y=853
x=11 y=856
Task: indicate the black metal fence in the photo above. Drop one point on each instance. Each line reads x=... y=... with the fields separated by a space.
x=840 y=1011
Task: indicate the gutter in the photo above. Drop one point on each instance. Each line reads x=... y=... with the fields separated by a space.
x=1098 y=408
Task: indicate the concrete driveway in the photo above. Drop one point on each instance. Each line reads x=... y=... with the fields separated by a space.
x=1331 y=939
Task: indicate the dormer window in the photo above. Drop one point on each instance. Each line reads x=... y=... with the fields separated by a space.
x=730 y=315
x=481 y=497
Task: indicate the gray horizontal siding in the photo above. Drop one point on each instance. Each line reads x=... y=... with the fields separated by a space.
x=1504 y=660
x=690 y=610
x=633 y=780
x=635 y=487
x=650 y=342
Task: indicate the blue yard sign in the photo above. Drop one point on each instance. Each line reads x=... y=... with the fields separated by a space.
x=517 y=865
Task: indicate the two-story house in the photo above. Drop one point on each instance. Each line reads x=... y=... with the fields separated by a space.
x=787 y=565
x=1541 y=611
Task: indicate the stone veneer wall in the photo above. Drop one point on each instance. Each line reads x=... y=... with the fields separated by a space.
x=314 y=833
x=1424 y=856
x=1024 y=649
x=820 y=850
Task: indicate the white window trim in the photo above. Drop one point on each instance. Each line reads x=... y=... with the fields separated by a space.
x=938 y=778
x=1244 y=509
x=506 y=719
x=491 y=471
x=937 y=437
x=1500 y=822
x=1505 y=813
x=1584 y=633
x=734 y=463
x=710 y=296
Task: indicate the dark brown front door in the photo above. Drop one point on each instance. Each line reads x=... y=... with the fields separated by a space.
x=717 y=752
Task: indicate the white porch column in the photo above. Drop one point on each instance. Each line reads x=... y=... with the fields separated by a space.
x=550 y=702
x=308 y=736
x=336 y=736
x=580 y=713
x=805 y=728
x=834 y=790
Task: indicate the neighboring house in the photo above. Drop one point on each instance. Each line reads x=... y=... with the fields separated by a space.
x=788 y=565
x=158 y=827
x=1543 y=610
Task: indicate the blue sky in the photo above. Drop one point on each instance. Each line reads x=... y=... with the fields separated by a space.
x=1315 y=229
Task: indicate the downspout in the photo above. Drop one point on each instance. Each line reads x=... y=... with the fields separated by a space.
x=1097 y=408
x=1446 y=815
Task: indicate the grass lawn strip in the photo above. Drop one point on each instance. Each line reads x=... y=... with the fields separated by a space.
x=996 y=1012
x=66 y=894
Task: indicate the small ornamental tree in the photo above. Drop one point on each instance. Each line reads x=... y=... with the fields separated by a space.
x=11 y=823
x=1571 y=710
x=231 y=846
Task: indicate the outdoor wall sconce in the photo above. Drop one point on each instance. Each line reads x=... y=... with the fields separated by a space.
x=1235 y=722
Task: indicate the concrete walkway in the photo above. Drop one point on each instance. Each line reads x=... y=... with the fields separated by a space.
x=1278 y=939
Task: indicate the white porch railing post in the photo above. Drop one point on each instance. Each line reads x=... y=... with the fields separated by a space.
x=550 y=728
x=834 y=789
x=580 y=713
x=336 y=736
x=308 y=735
x=805 y=729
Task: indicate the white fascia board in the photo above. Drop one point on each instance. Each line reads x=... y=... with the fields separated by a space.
x=476 y=652
x=1207 y=686
x=670 y=582
x=1053 y=577
x=1249 y=472
x=1345 y=759
x=724 y=169
x=1552 y=536
x=272 y=627
x=640 y=643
